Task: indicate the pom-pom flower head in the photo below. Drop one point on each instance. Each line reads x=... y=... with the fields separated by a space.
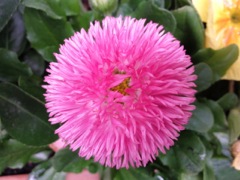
x=121 y=91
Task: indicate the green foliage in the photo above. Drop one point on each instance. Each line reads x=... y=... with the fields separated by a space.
x=32 y=85
x=3 y=133
x=35 y=62
x=7 y=9
x=44 y=33
x=234 y=124
x=12 y=37
x=219 y=116
x=187 y=156
x=189 y=29
x=45 y=171
x=204 y=76
x=208 y=172
x=202 y=118
x=67 y=161
x=32 y=30
x=228 y=101
x=133 y=174
x=218 y=60
x=152 y=12
x=24 y=117
x=10 y=67
x=15 y=154
x=223 y=170
x=51 y=8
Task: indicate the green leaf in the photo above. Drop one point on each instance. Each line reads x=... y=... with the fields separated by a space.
x=41 y=156
x=51 y=8
x=10 y=67
x=159 y=3
x=204 y=76
x=67 y=161
x=234 y=124
x=35 y=61
x=187 y=156
x=3 y=133
x=15 y=154
x=208 y=143
x=124 y=9
x=133 y=174
x=71 y=8
x=223 y=139
x=190 y=153
x=189 y=29
x=185 y=176
x=152 y=12
x=208 y=172
x=223 y=170
x=7 y=7
x=25 y=117
x=202 y=118
x=181 y=3
x=57 y=9
x=93 y=167
x=82 y=21
x=218 y=60
x=228 y=101
x=134 y=3
x=167 y=4
x=32 y=85
x=44 y=33
x=169 y=159
x=220 y=123
x=45 y=171
x=12 y=37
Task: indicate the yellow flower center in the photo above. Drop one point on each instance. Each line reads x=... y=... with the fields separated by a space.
x=227 y=23
x=123 y=85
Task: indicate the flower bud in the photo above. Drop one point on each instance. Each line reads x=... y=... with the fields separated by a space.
x=104 y=6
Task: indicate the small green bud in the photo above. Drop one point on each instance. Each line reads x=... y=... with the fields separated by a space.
x=104 y=6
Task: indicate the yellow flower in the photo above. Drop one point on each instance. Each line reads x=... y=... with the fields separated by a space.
x=223 y=27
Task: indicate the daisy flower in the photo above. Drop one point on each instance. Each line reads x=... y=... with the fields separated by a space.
x=122 y=91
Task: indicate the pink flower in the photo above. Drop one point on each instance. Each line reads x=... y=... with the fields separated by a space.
x=121 y=91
